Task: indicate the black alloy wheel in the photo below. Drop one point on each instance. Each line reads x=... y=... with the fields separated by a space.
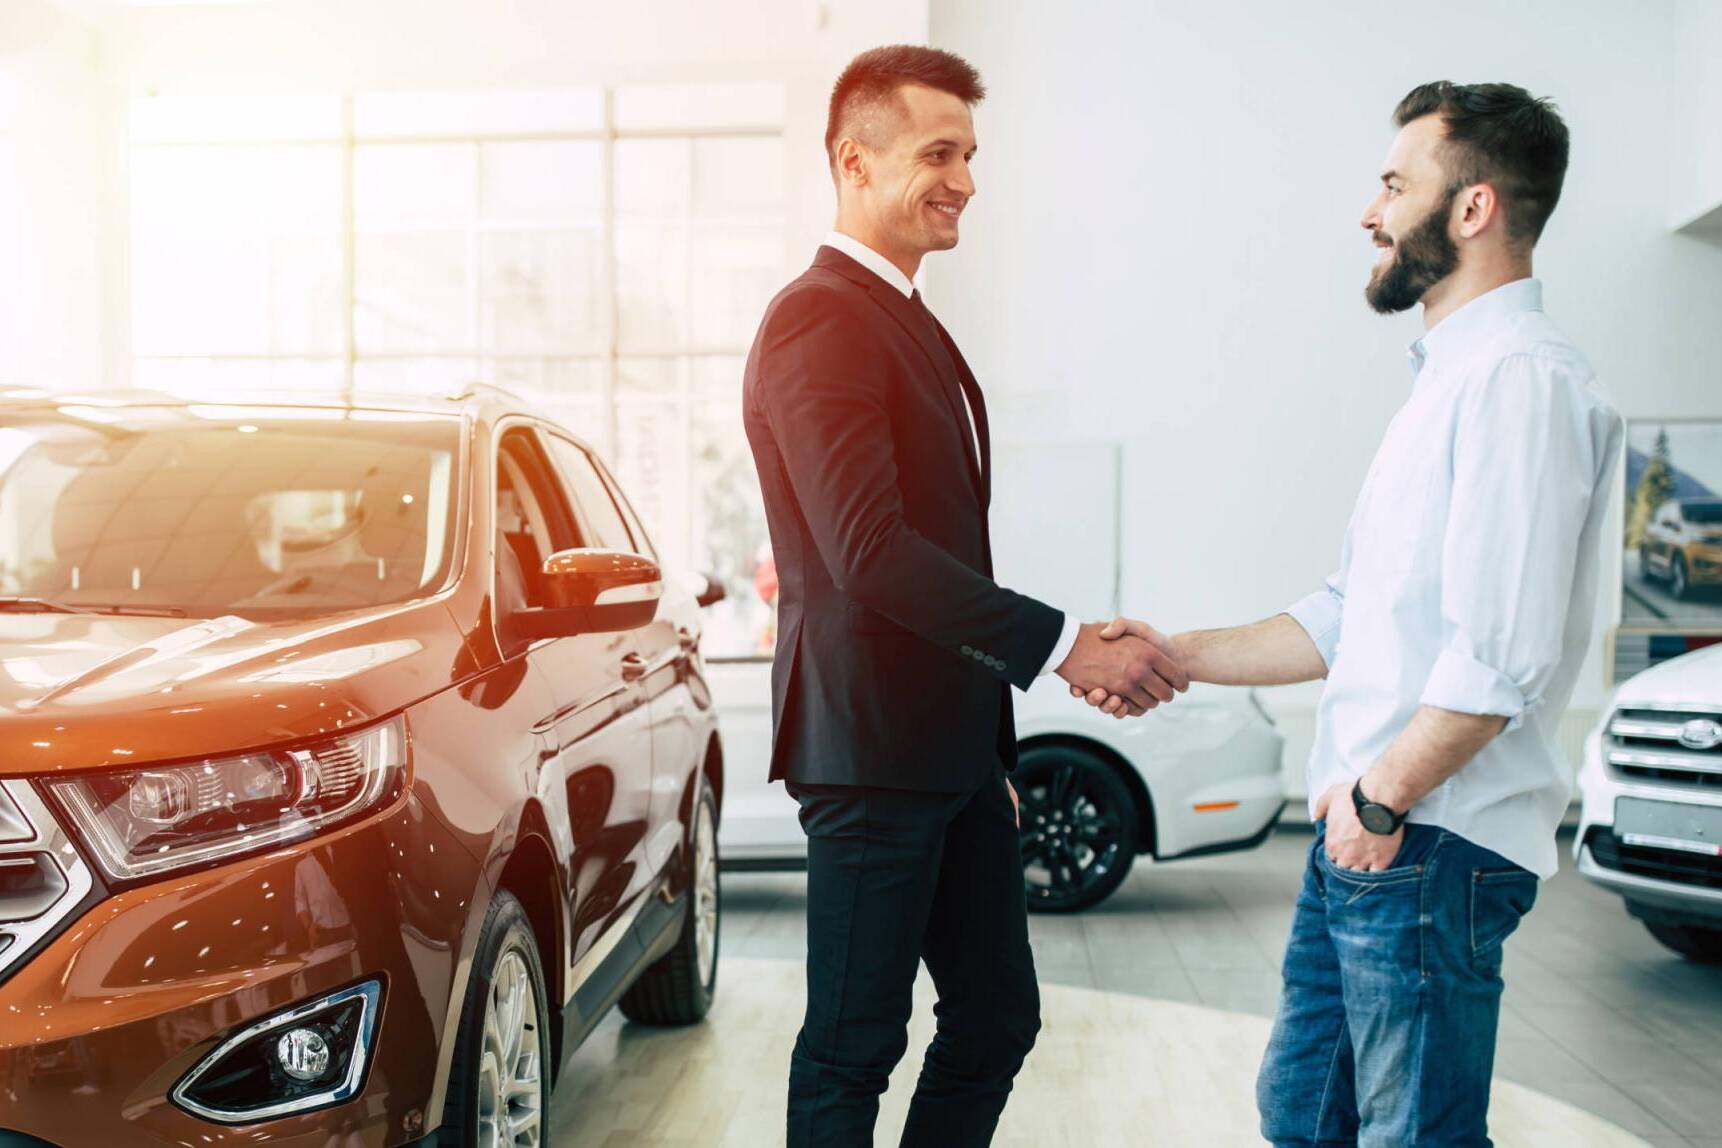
x=1679 y=582
x=1078 y=827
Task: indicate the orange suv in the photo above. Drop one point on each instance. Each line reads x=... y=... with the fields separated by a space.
x=356 y=759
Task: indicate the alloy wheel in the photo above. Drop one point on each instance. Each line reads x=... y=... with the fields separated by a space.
x=511 y=1071
x=705 y=894
x=1070 y=840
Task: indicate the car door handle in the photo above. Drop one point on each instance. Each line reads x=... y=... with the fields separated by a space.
x=633 y=668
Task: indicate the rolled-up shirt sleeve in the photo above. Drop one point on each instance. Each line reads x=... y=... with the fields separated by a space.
x=1525 y=460
x=1320 y=614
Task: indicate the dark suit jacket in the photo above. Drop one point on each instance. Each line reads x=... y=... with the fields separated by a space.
x=894 y=645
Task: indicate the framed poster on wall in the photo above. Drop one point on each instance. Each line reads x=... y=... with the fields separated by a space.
x=1671 y=560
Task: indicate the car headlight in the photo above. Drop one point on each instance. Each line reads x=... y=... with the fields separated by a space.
x=142 y=822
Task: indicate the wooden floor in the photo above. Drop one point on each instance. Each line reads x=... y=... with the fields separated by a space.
x=1107 y=1069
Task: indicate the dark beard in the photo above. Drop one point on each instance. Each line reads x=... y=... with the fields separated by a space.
x=1424 y=257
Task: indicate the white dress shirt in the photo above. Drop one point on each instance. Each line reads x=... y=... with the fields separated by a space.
x=892 y=274
x=1468 y=574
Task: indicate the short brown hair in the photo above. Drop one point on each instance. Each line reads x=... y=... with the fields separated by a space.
x=869 y=84
x=1500 y=135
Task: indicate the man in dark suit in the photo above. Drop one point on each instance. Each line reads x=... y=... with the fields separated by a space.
x=896 y=650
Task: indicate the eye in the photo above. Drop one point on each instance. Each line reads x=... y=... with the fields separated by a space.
x=936 y=156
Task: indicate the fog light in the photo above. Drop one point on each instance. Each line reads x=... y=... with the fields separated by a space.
x=303 y=1053
x=312 y=1056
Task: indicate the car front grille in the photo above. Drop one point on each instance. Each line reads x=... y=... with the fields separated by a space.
x=1669 y=745
x=1675 y=865
x=43 y=880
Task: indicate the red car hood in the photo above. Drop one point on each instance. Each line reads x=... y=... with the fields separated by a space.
x=80 y=691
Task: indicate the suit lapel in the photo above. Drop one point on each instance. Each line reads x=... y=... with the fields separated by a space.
x=978 y=404
x=922 y=327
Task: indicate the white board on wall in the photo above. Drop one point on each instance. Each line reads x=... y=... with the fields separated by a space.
x=1055 y=523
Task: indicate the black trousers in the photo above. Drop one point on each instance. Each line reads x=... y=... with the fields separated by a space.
x=894 y=878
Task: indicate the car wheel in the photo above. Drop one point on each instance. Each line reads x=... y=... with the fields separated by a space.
x=1644 y=565
x=678 y=989
x=1078 y=826
x=499 y=1082
x=1694 y=942
x=1678 y=583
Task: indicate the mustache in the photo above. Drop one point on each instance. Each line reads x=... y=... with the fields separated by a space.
x=1382 y=239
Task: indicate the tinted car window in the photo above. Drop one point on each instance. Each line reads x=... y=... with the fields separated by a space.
x=252 y=511
x=531 y=519
x=601 y=523
x=1703 y=513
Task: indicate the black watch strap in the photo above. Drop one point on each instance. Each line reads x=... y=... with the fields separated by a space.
x=1376 y=818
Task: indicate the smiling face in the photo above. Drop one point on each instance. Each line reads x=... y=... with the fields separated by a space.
x=1410 y=220
x=907 y=188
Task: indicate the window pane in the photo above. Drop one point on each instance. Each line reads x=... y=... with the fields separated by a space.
x=568 y=392
x=543 y=182
x=738 y=176
x=717 y=377
x=653 y=178
x=736 y=271
x=412 y=187
x=397 y=114
x=651 y=286
x=651 y=460
x=543 y=291
x=414 y=376
x=412 y=291
x=730 y=541
x=654 y=376
x=699 y=106
x=600 y=522
x=236 y=250
x=205 y=119
x=213 y=377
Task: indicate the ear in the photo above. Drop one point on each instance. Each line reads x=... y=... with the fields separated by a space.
x=852 y=162
x=1476 y=208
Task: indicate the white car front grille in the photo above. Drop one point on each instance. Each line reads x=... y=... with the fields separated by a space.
x=1676 y=744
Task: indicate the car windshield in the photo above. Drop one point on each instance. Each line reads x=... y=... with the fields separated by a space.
x=1707 y=513
x=260 y=512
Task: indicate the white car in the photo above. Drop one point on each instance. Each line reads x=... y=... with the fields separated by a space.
x=1199 y=776
x=1652 y=784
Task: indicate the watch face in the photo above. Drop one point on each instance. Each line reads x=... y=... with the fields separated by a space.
x=1376 y=819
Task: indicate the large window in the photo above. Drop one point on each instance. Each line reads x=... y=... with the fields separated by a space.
x=603 y=253
x=10 y=256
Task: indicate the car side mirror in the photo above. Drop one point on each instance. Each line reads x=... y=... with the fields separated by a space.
x=714 y=591
x=591 y=591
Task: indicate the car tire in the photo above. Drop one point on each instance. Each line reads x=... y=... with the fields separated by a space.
x=1644 y=565
x=1078 y=827
x=1679 y=581
x=679 y=987
x=483 y=1107
x=1694 y=942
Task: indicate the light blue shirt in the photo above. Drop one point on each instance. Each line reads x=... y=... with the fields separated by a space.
x=1468 y=575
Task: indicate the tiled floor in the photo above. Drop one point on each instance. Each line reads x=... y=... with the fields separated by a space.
x=1596 y=1014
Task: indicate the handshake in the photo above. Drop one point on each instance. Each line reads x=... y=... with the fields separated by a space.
x=1125 y=667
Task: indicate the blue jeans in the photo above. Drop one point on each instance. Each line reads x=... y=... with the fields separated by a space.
x=1385 y=1036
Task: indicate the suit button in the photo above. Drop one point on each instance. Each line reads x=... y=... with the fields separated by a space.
x=979 y=656
x=968 y=650
x=1000 y=667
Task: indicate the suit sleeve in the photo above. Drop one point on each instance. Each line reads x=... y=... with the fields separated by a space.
x=824 y=392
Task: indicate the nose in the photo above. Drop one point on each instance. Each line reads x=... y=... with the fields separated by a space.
x=963 y=180
x=1372 y=215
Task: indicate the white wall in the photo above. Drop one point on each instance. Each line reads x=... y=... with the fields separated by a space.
x=57 y=210
x=1697 y=114
x=1165 y=249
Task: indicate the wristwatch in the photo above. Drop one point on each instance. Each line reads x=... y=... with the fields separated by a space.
x=1378 y=819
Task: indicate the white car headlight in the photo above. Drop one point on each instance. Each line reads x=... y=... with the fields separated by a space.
x=142 y=822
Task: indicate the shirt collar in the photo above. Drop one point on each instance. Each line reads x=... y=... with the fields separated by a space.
x=1455 y=330
x=871 y=260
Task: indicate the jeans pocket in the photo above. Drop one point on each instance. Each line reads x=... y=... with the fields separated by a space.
x=1500 y=898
